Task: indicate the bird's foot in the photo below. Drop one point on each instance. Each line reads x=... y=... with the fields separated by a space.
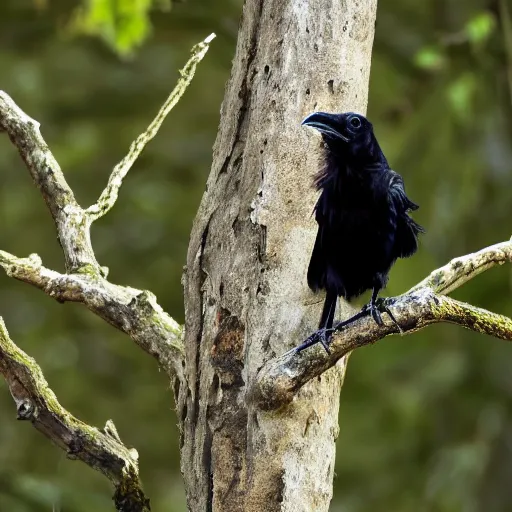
x=374 y=309
x=377 y=308
x=322 y=336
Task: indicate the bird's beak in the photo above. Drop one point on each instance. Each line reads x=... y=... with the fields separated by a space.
x=325 y=123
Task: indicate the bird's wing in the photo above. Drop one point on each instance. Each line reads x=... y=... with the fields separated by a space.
x=407 y=230
x=317 y=265
x=397 y=193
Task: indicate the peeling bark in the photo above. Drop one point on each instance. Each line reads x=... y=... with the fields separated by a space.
x=245 y=291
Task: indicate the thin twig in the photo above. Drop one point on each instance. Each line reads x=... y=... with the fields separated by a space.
x=459 y=270
x=109 y=196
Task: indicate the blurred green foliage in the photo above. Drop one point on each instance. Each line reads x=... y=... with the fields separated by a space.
x=122 y=24
x=426 y=421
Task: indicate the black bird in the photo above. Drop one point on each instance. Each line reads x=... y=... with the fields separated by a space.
x=362 y=216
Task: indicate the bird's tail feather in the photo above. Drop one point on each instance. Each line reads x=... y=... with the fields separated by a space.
x=407 y=236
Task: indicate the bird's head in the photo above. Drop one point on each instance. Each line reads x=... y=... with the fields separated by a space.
x=348 y=132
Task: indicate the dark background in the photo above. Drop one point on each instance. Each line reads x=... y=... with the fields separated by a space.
x=425 y=420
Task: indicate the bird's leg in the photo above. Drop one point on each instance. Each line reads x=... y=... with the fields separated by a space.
x=324 y=333
x=361 y=314
x=326 y=330
x=373 y=307
x=322 y=336
x=382 y=306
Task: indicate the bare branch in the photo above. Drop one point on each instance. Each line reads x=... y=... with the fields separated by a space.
x=460 y=270
x=280 y=379
x=109 y=196
x=135 y=312
x=101 y=450
x=24 y=134
x=69 y=218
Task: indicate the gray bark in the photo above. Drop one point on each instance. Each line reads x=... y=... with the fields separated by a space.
x=245 y=289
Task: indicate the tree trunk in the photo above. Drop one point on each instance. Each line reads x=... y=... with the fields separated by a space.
x=246 y=294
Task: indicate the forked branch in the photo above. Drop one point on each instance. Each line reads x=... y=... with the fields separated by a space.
x=69 y=218
x=134 y=312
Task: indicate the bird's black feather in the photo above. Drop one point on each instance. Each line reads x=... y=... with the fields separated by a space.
x=362 y=213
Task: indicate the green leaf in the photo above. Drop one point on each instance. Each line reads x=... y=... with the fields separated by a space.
x=122 y=24
x=460 y=94
x=479 y=28
x=430 y=58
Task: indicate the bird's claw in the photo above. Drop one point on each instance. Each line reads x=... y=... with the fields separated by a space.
x=376 y=314
x=377 y=308
x=322 y=336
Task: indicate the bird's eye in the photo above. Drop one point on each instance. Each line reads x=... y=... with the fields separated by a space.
x=355 y=122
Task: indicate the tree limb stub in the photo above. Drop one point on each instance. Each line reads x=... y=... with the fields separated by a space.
x=101 y=450
x=425 y=304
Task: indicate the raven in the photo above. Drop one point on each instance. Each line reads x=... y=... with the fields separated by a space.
x=362 y=216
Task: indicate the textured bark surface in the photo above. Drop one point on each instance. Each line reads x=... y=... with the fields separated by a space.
x=245 y=289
